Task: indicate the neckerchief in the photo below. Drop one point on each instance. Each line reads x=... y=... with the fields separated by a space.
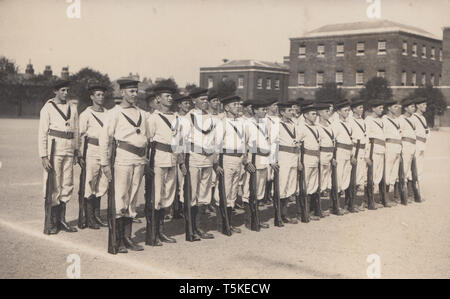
x=423 y=125
x=168 y=122
x=293 y=136
x=236 y=130
x=348 y=132
x=316 y=135
x=328 y=133
x=194 y=122
x=98 y=120
x=410 y=124
x=392 y=122
x=381 y=126
x=136 y=125
x=66 y=118
x=361 y=127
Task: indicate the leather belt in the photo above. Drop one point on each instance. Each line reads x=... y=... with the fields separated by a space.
x=348 y=147
x=394 y=141
x=264 y=153
x=199 y=150
x=138 y=151
x=233 y=153
x=315 y=153
x=60 y=134
x=421 y=139
x=361 y=146
x=327 y=149
x=163 y=147
x=289 y=149
x=408 y=139
x=379 y=141
x=92 y=140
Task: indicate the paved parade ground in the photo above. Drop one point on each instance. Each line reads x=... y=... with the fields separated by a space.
x=411 y=241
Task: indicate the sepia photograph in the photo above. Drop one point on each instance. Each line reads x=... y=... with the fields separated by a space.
x=198 y=141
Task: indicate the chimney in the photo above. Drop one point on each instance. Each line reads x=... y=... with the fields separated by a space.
x=48 y=71
x=225 y=60
x=29 y=70
x=65 y=73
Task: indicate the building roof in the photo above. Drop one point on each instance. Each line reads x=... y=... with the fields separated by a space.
x=251 y=64
x=374 y=26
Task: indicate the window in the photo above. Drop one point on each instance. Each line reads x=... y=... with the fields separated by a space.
x=277 y=84
x=302 y=52
x=360 y=49
x=424 y=79
x=414 y=50
x=319 y=79
x=403 y=78
x=210 y=83
x=414 y=79
x=440 y=54
x=241 y=82
x=360 y=78
x=405 y=48
x=382 y=47
x=381 y=73
x=259 y=83
x=424 y=51
x=340 y=50
x=339 y=78
x=268 y=83
x=433 y=53
x=301 y=79
x=320 y=51
x=432 y=79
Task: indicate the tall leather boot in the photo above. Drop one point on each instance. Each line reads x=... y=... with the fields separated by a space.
x=284 y=212
x=230 y=216
x=396 y=191
x=92 y=224
x=349 y=202
x=62 y=219
x=335 y=205
x=120 y=236
x=267 y=194
x=311 y=203
x=318 y=211
x=53 y=230
x=389 y=199
x=97 y=213
x=194 y=216
x=409 y=187
x=261 y=223
x=127 y=228
x=198 y=222
x=160 y=232
x=247 y=215
x=370 y=200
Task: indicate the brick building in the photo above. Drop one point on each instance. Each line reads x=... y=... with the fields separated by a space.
x=445 y=82
x=254 y=79
x=351 y=54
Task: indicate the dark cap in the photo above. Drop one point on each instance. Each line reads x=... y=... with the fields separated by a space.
x=178 y=98
x=198 y=92
x=309 y=108
x=230 y=99
x=306 y=103
x=420 y=100
x=262 y=103
x=96 y=86
x=163 y=88
x=356 y=103
x=60 y=84
x=212 y=94
x=322 y=106
x=407 y=101
x=389 y=103
x=376 y=102
x=284 y=104
x=125 y=83
x=342 y=104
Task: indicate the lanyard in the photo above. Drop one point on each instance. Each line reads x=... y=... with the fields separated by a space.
x=316 y=136
x=392 y=122
x=194 y=122
x=66 y=118
x=168 y=122
x=293 y=136
x=136 y=125
x=348 y=132
x=98 y=120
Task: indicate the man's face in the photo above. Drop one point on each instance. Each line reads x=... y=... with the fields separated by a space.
x=165 y=99
x=273 y=108
x=324 y=114
x=185 y=106
x=233 y=108
x=358 y=110
x=214 y=103
x=129 y=95
x=395 y=109
x=201 y=103
x=62 y=93
x=378 y=110
x=311 y=116
x=296 y=109
x=422 y=107
x=410 y=108
x=287 y=112
x=98 y=97
x=344 y=112
x=260 y=112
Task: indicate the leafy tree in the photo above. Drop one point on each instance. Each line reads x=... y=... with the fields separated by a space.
x=79 y=86
x=330 y=90
x=8 y=69
x=436 y=103
x=226 y=88
x=190 y=86
x=376 y=88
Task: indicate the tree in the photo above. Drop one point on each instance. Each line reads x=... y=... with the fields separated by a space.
x=376 y=88
x=8 y=69
x=79 y=86
x=189 y=87
x=226 y=88
x=330 y=90
x=436 y=103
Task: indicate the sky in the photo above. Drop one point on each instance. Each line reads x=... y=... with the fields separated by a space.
x=163 y=38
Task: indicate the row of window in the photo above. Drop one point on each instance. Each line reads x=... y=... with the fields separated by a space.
x=360 y=50
x=259 y=83
x=359 y=78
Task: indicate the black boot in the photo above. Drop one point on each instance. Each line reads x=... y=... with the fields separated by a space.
x=284 y=212
x=389 y=200
x=62 y=219
x=127 y=228
x=97 y=213
x=53 y=230
x=83 y=221
x=318 y=211
x=247 y=215
x=349 y=201
x=311 y=204
x=370 y=200
x=120 y=235
x=262 y=224
x=161 y=235
x=409 y=187
x=396 y=191
x=233 y=228
x=92 y=224
x=197 y=221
